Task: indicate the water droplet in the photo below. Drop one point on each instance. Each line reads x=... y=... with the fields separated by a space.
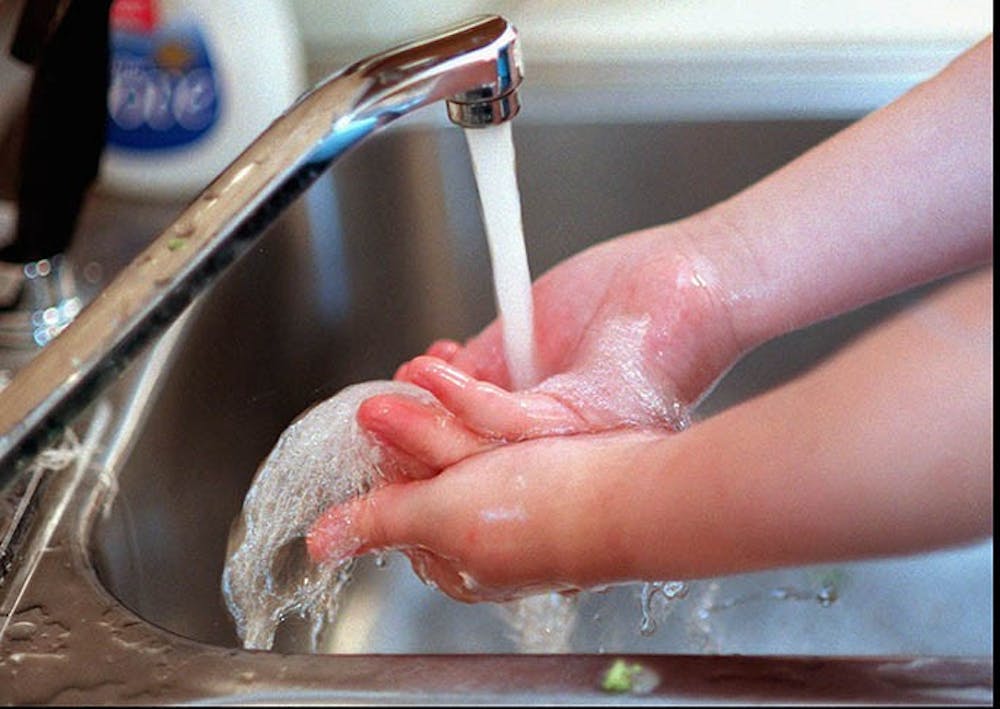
x=785 y=593
x=673 y=590
x=93 y=272
x=648 y=626
x=380 y=559
x=241 y=175
x=831 y=584
x=681 y=419
x=22 y=630
x=468 y=581
x=657 y=601
x=183 y=229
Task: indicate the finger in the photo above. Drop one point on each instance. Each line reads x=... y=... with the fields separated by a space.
x=444 y=349
x=442 y=575
x=483 y=358
x=396 y=465
x=424 y=432
x=447 y=350
x=490 y=410
x=388 y=517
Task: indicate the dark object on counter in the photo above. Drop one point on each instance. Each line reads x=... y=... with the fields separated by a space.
x=62 y=135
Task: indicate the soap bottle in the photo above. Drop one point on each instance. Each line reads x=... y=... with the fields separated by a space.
x=192 y=83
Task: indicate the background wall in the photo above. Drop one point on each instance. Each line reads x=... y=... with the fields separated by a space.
x=580 y=27
x=681 y=59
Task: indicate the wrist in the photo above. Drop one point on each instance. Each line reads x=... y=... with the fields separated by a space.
x=726 y=257
x=712 y=298
x=678 y=292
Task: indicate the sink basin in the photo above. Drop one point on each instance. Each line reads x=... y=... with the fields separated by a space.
x=372 y=264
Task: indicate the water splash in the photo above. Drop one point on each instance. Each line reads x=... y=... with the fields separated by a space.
x=709 y=603
x=17 y=498
x=322 y=459
x=658 y=600
x=544 y=622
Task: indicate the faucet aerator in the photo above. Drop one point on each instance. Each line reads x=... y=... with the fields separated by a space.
x=481 y=114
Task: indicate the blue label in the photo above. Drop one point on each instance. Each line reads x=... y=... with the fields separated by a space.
x=164 y=91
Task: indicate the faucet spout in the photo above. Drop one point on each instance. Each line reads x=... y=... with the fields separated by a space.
x=475 y=67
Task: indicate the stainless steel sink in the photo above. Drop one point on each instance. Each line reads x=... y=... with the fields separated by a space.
x=362 y=273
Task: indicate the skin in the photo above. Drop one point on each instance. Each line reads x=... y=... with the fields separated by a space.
x=554 y=487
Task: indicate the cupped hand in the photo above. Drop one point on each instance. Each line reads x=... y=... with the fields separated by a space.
x=629 y=334
x=530 y=517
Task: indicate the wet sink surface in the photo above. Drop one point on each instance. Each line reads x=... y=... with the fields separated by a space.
x=375 y=262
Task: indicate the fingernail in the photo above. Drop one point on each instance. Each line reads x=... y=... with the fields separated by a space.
x=445 y=349
x=375 y=415
x=331 y=538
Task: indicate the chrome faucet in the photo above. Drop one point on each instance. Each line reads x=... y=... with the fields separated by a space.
x=474 y=67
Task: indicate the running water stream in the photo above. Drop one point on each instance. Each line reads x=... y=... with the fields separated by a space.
x=545 y=622
x=494 y=165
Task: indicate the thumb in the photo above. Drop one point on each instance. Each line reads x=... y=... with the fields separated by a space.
x=380 y=519
x=395 y=517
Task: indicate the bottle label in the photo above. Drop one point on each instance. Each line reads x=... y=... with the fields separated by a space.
x=164 y=91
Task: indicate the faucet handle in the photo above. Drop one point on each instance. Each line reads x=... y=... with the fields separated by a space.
x=63 y=135
x=38 y=19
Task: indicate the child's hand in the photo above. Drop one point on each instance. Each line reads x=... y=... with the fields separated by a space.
x=535 y=516
x=629 y=334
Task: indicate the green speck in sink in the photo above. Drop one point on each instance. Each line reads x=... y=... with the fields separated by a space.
x=619 y=676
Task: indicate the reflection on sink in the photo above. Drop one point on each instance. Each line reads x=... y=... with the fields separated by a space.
x=388 y=255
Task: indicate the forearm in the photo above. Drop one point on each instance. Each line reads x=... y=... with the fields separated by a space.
x=885 y=449
x=899 y=198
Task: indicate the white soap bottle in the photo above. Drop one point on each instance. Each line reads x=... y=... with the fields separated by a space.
x=192 y=83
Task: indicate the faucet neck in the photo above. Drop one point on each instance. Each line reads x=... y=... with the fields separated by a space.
x=473 y=62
